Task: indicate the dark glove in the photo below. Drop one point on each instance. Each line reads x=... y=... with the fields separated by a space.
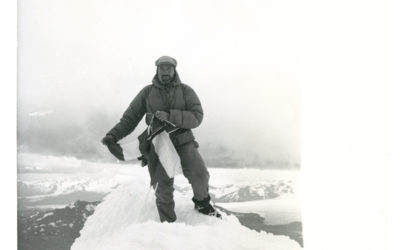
x=143 y=160
x=162 y=115
x=113 y=147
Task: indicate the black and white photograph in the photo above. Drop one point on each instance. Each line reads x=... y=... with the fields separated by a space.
x=159 y=125
x=172 y=124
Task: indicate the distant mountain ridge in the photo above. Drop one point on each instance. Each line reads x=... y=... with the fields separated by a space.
x=47 y=192
x=235 y=193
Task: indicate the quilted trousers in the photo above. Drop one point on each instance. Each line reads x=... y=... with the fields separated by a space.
x=193 y=169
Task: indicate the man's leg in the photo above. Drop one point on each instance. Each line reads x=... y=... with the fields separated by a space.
x=194 y=170
x=164 y=187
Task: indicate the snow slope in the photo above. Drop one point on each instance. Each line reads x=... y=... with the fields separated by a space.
x=127 y=219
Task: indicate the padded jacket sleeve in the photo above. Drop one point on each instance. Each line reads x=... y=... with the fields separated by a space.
x=131 y=117
x=192 y=116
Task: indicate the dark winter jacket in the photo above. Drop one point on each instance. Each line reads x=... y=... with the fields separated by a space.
x=177 y=98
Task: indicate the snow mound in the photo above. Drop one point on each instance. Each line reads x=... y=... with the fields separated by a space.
x=128 y=219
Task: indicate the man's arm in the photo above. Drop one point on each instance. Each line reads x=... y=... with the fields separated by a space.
x=192 y=116
x=131 y=117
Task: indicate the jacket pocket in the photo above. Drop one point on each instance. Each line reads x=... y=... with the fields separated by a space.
x=182 y=138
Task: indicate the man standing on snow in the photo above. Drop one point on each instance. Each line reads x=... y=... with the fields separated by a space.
x=167 y=99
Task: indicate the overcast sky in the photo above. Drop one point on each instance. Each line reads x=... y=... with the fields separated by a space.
x=243 y=58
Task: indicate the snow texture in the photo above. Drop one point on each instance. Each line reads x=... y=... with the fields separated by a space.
x=128 y=219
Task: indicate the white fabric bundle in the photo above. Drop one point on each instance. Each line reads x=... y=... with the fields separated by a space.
x=165 y=150
x=167 y=154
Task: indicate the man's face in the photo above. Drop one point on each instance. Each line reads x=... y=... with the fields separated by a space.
x=165 y=73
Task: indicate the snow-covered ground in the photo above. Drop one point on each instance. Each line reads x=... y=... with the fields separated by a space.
x=127 y=215
x=278 y=211
x=127 y=219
